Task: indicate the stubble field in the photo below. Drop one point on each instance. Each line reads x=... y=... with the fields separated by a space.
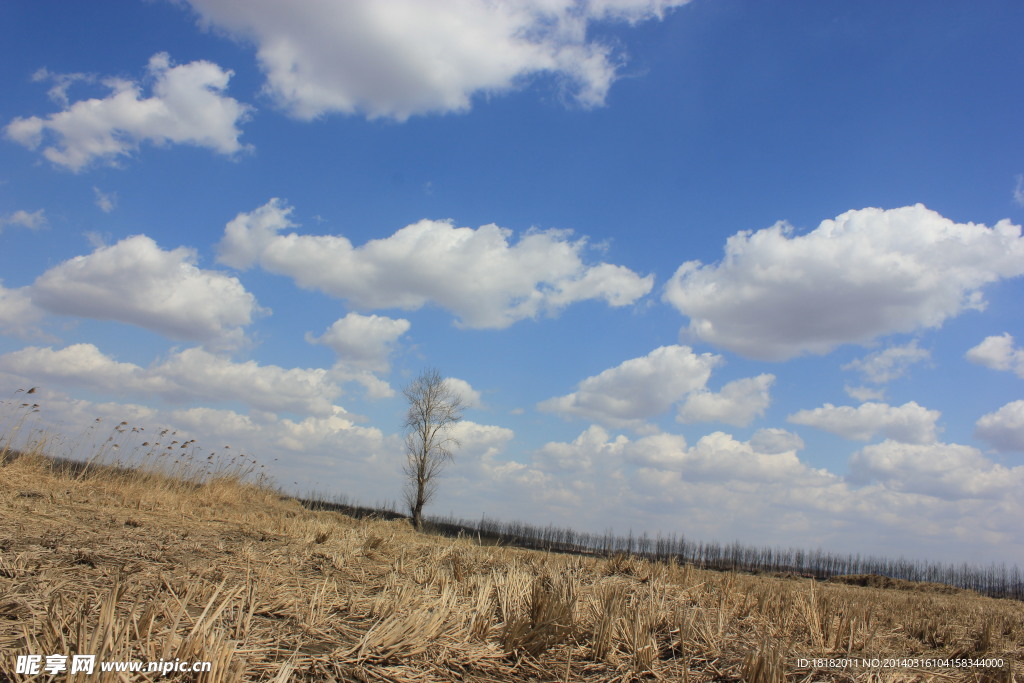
x=149 y=565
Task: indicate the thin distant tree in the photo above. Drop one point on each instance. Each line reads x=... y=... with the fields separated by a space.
x=434 y=410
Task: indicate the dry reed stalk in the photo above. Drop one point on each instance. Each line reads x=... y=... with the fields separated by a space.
x=404 y=634
x=766 y=664
x=607 y=608
x=482 y=614
x=511 y=588
x=636 y=633
x=549 y=620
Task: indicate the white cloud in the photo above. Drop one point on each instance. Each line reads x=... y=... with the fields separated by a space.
x=579 y=457
x=998 y=353
x=106 y=201
x=137 y=282
x=375 y=386
x=479 y=478
x=1018 y=191
x=882 y=367
x=61 y=83
x=187 y=106
x=716 y=456
x=363 y=344
x=248 y=235
x=862 y=393
x=721 y=456
x=906 y=504
x=405 y=57
x=909 y=423
x=949 y=471
x=478 y=443
x=332 y=435
x=478 y=274
x=33 y=220
x=18 y=315
x=637 y=389
x=1004 y=428
x=225 y=423
x=81 y=364
x=866 y=274
x=738 y=403
x=773 y=440
x=266 y=387
x=470 y=396
x=657 y=451
x=906 y=498
x=363 y=341
x=189 y=375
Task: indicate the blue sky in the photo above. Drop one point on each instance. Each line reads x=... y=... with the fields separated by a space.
x=741 y=271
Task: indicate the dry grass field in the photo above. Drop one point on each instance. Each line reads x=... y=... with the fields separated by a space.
x=146 y=565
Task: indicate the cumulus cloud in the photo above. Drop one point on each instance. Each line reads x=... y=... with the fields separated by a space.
x=137 y=282
x=480 y=478
x=865 y=274
x=479 y=442
x=908 y=423
x=18 y=315
x=773 y=440
x=580 y=455
x=943 y=470
x=482 y=277
x=363 y=341
x=82 y=365
x=715 y=456
x=661 y=479
x=330 y=436
x=738 y=403
x=187 y=106
x=721 y=456
x=470 y=396
x=363 y=344
x=404 y=57
x=249 y=235
x=227 y=424
x=882 y=367
x=190 y=375
x=267 y=387
x=33 y=220
x=883 y=505
x=999 y=353
x=637 y=389
x=1004 y=428
x=375 y=386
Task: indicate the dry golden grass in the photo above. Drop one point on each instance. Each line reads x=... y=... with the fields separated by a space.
x=140 y=565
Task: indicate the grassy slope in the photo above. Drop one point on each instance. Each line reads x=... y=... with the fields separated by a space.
x=139 y=566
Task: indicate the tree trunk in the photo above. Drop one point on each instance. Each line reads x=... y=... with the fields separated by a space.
x=417 y=516
x=417 y=507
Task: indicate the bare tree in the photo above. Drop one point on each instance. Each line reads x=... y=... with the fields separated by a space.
x=434 y=409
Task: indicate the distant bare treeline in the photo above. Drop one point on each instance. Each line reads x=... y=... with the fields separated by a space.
x=996 y=580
